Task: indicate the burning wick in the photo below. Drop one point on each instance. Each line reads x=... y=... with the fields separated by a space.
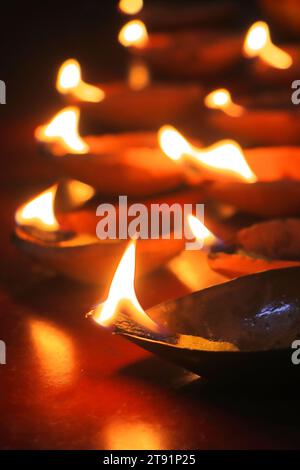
x=122 y=306
x=200 y=231
x=69 y=81
x=258 y=43
x=131 y=7
x=133 y=33
x=63 y=128
x=221 y=99
x=223 y=157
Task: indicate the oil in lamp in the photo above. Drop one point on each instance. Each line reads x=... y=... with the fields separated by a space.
x=66 y=242
x=229 y=332
x=191 y=54
x=128 y=163
x=121 y=107
x=271 y=64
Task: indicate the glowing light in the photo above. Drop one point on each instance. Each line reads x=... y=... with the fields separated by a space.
x=138 y=76
x=134 y=33
x=131 y=7
x=39 y=212
x=122 y=295
x=258 y=42
x=63 y=128
x=224 y=156
x=221 y=99
x=69 y=81
x=201 y=232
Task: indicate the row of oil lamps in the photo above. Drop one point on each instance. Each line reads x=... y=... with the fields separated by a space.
x=57 y=228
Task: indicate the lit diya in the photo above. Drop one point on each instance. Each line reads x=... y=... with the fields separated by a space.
x=138 y=103
x=266 y=245
x=242 y=329
x=265 y=118
x=67 y=243
x=191 y=54
x=129 y=163
x=271 y=64
x=258 y=181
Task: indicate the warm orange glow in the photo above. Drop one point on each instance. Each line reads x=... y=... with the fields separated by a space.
x=131 y=7
x=134 y=33
x=54 y=351
x=63 y=128
x=138 y=76
x=80 y=192
x=69 y=81
x=258 y=42
x=39 y=212
x=224 y=156
x=221 y=99
x=119 y=433
x=122 y=295
x=200 y=232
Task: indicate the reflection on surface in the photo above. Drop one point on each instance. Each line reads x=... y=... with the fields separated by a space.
x=120 y=435
x=55 y=353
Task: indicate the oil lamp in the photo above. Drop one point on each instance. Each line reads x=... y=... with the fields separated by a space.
x=66 y=242
x=191 y=54
x=267 y=118
x=128 y=163
x=130 y=7
x=251 y=338
x=121 y=107
x=265 y=245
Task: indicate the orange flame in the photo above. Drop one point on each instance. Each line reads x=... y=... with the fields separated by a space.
x=69 y=81
x=133 y=33
x=221 y=99
x=122 y=295
x=200 y=231
x=131 y=7
x=258 y=42
x=39 y=212
x=138 y=76
x=63 y=128
x=224 y=156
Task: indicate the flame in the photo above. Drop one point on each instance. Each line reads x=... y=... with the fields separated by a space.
x=122 y=294
x=39 y=212
x=69 y=81
x=200 y=231
x=221 y=99
x=138 y=76
x=133 y=33
x=225 y=156
x=63 y=128
x=258 y=42
x=131 y=7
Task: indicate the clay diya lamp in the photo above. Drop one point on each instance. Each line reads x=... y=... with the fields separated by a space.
x=67 y=244
x=261 y=119
x=231 y=179
x=191 y=54
x=284 y=15
x=271 y=65
x=239 y=330
x=129 y=163
x=117 y=105
x=266 y=245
